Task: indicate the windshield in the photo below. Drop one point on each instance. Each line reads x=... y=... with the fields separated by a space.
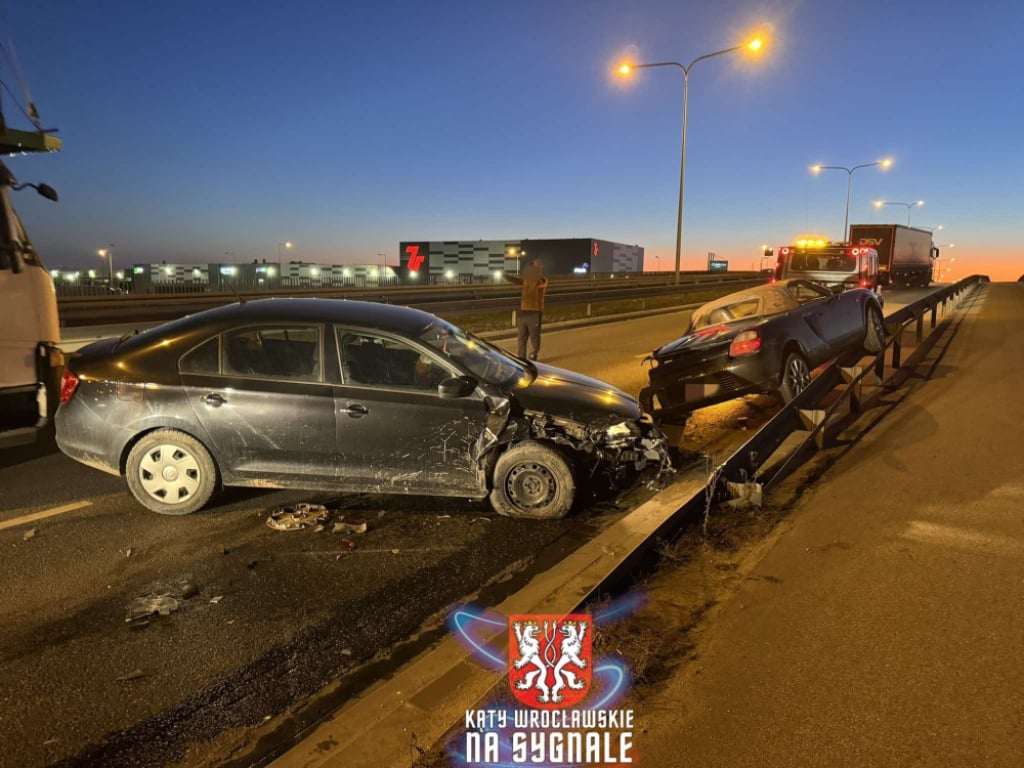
x=822 y=261
x=475 y=355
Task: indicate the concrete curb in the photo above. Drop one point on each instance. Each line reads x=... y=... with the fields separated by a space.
x=432 y=692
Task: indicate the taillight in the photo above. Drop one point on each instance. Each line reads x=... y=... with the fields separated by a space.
x=745 y=343
x=68 y=385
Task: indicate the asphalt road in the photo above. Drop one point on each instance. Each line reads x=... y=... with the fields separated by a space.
x=266 y=619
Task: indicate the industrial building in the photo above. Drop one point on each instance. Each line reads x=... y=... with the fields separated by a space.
x=435 y=261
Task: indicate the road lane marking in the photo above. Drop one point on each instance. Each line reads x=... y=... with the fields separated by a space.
x=44 y=514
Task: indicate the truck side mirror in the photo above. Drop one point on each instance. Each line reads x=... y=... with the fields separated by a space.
x=47 y=191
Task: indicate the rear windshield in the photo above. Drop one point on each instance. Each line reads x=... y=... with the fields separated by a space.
x=726 y=313
x=816 y=261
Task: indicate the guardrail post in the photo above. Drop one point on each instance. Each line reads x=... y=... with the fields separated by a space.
x=515 y=323
x=588 y=310
x=850 y=374
x=920 y=327
x=935 y=311
x=897 y=346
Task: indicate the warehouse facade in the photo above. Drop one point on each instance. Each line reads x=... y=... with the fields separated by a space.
x=481 y=259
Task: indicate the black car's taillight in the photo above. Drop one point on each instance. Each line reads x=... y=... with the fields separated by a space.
x=745 y=343
x=68 y=385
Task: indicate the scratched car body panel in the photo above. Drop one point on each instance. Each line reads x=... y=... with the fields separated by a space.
x=342 y=395
x=746 y=342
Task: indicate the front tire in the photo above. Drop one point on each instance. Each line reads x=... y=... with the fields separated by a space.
x=171 y=473
x=532 y=481
x=874 y=331
x=796 y=376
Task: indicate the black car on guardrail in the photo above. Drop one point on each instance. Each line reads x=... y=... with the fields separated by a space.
x=342 y=395
x=763 y=339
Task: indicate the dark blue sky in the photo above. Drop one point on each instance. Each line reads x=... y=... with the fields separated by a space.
x=192 y=129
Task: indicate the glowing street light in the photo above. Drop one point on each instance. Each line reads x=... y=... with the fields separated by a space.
x=108 y=254
x=880 y=203
x=626 y=69
x=816 y=169
x=286 y=244
x=938 y=264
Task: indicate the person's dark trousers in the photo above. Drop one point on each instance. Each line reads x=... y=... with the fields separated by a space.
x=529 y=328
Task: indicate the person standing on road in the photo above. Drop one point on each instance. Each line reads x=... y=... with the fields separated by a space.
x=531 y=306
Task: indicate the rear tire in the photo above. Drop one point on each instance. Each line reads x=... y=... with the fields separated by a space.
x=796 y=376
x=532 y=481
x=171 y=473
x=874 y=331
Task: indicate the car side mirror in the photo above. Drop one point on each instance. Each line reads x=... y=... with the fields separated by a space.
x=455 y=387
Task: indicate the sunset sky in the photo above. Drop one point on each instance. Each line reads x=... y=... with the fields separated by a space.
x=195 y=129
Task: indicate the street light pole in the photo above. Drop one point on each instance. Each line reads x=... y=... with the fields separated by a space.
x=753 y=45
x=108 y=254
x=880 y=203
x=849 y=184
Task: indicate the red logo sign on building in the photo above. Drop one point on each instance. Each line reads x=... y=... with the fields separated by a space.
x=415 y=258
x=550 y=658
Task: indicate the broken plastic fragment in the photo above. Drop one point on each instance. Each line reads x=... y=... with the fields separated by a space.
x=133 y=675
x=297 y=517
x=350 y=528
x=216 y=599
x=29 y=534
x=151 y=605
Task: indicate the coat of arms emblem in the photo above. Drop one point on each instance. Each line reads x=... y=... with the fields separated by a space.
x=549 y=659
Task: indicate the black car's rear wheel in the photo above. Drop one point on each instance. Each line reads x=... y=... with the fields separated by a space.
x=171 y=473
x=795 y=376
x=532 y=480
x=874 y=331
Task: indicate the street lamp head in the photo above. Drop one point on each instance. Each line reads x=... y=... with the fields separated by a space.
x=878 y=203
x=756 y=44
x=625 y=69
x=815 y=169
x=919 y=202
x=102 y=252
x=885 y=163
x=288 y=244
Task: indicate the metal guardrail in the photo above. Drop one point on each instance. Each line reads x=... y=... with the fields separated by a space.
x=82 y=310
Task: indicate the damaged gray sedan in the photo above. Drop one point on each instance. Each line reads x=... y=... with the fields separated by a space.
x=348 y=396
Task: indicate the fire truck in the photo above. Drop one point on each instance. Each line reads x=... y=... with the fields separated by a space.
x=834 y=265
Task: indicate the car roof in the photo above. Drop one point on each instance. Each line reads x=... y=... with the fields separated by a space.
x=386 y=317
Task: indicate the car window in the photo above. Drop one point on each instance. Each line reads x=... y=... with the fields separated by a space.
x=274 y=352
x=805 y=292
x=369 y=360
x=203 y=359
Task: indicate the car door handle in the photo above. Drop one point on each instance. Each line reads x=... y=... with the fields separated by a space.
x=356 y=411
x=215 y=400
